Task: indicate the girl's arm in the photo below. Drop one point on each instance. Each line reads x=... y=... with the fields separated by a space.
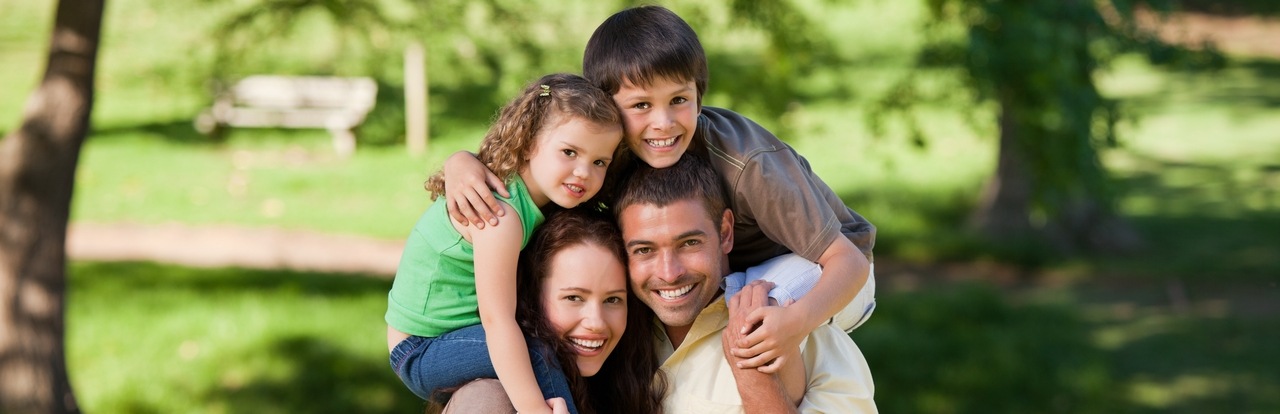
x=469 y=187
x=497 y=248
x=844 y=272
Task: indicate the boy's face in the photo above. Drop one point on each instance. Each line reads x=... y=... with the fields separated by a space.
x=659 y=119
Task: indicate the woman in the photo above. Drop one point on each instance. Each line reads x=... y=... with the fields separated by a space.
x=573 y=293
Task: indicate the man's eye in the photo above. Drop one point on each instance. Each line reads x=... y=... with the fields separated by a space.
x=641 y=251
x=692 y=242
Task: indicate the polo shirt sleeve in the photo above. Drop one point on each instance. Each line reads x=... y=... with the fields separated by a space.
x=779 y=192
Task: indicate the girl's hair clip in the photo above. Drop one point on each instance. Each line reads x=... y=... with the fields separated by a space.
x=546 y=91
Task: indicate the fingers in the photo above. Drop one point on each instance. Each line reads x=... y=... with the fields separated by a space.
x=774 y=366
x=480 y=216
x=558 y=406
x=497 y=185
x=758 y=360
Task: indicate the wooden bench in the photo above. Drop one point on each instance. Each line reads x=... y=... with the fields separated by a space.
x=334 y=103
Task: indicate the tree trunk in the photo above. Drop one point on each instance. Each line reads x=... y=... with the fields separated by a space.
x=1004 y=209
x=37 y=172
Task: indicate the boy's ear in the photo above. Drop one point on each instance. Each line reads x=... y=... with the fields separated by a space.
x=726 y=231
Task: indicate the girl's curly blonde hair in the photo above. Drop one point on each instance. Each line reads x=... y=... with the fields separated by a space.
x=550 y=100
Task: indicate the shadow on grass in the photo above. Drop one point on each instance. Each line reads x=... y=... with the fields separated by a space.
x=325 y=379
x=159 y=278
x=970 y=349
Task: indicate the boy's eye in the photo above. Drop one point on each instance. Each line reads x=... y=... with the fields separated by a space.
x=679 y=100
x=569 y=152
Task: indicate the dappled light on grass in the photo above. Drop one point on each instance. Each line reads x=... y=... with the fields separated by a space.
x=154 y=338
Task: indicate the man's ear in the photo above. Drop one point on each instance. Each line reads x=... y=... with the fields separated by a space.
x=726 y=231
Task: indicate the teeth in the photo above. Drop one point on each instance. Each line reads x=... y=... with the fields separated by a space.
x=672 y=294
x=588 y=344
x=574 y=188
x=662 y=143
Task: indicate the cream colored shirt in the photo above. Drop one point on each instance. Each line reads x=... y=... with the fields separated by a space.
x=701 y=381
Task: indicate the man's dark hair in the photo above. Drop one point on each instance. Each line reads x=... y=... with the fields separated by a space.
x=690 y=178
x=642 y=44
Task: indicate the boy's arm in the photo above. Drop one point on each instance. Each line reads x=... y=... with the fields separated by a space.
x=469 y=187
x=844 y=271
x=496 y=250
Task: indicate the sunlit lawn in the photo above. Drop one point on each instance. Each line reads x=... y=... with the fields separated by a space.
x=1187 y=326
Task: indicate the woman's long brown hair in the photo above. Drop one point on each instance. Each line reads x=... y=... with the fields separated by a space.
x=628 y=382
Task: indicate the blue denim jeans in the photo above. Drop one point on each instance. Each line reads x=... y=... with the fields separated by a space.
x=432 y=367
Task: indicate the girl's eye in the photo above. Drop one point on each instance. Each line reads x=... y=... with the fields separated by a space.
x=642 y=105
x=601 y=163
x=569 y=152
x=613 y=300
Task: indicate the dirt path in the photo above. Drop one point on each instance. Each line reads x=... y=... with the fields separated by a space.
x=252 y=248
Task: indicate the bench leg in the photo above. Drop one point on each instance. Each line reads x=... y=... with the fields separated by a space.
x=344 y=141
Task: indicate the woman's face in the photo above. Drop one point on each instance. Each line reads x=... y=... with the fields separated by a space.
x=584 y=297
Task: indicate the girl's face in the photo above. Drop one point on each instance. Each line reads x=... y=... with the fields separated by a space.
x=569 y=161
x=584 y=297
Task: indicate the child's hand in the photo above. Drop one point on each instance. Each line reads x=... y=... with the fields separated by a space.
x=777 y=330
x=558 y=406
x=469 y=188
x=752 y=297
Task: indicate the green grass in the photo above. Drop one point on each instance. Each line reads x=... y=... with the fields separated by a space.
x=146 y=338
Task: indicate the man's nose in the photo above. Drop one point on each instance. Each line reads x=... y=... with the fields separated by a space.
x=670 y=269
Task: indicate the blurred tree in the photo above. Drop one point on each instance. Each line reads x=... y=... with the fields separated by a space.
x=37 y=173
x=1035 y=61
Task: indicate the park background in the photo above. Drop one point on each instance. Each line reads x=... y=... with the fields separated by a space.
x=1186 y=323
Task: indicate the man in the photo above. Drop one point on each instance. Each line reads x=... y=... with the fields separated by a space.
x=678 y=233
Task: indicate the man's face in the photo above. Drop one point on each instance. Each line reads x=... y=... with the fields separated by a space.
x=676 y=257
x=660 y=119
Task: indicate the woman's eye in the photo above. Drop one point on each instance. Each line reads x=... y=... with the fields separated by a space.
x=573 y=298
x=613 y=300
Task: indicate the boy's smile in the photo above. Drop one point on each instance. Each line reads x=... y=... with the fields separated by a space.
x=659 y=119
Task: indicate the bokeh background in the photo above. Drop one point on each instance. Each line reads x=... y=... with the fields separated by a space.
x=895 y=103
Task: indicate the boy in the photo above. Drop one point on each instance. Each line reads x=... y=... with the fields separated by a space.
x=653 y=65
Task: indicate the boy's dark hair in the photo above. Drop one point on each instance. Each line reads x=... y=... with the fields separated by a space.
x=642 y=44
x=690 y=178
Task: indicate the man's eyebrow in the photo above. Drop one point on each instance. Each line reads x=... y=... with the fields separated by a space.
x=631 y=243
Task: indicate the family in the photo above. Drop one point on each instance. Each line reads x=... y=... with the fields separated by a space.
x=616 y=246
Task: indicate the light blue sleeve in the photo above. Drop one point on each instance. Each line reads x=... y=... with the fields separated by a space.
x=793 y=276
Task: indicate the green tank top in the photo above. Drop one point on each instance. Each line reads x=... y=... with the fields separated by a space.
x=434 y=291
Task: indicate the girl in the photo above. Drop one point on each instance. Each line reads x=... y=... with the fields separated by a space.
x=451 y=310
